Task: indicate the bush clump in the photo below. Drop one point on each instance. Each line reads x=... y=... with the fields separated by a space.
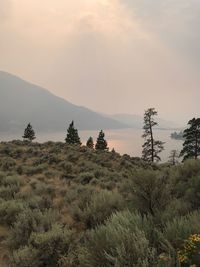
x=9 y=210
x=44 y=248
x=27 y=222
x=120 y=242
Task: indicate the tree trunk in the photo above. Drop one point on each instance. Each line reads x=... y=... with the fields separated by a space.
x=196 y=145
x=152 y=145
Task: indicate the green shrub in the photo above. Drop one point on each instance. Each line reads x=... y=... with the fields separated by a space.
x=101 y=207
x=99 y=173
x=19 y=169
x=51 y=245
x=151 y=192
x=120 y=242
x=180 y=228
x=25 y=257
x=35 y=169
x=189 y=168
x=27 y=222
x=6 y=149
x=9 y=186
x=9 y=211
x=39 y=202
x=192 y=189
x=7 y=164
x=42 y=188
x=44 y=248
x=79 y=193
x=7 y=192
x=95 y=208
x=85 y=178
x=11 y=180
x=73 y=157
x=110 y=185
x=49 y=174
x=66 y=166
x=175 y=208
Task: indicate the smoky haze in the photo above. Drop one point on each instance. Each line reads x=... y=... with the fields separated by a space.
x=113 y=56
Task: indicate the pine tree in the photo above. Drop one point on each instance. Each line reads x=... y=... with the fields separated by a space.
x=173 y=158
x=151 y=147
x=72 y=135
x=113 y=151
x=191 y=145
x=29 y=133
x=90 y=143
x=101 y=143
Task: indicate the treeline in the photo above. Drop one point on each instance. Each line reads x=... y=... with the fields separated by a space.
x=151 y=147
x=177 y=136
x=72 y=137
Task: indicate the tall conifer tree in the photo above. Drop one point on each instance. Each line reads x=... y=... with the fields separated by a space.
x=72 y=135
x=173 y=158
x=90 y=143
x=29 y=133
x=101 y=143
x=191 y=145
x=151 y=147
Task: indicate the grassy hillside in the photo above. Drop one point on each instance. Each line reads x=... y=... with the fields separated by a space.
x=70 y=206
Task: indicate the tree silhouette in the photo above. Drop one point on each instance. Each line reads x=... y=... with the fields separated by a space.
x=29 y=133
x=101 y=143
x=90 y=143
x=191 y=145
x=151 y=147
x=72 y=135
x=173 y=158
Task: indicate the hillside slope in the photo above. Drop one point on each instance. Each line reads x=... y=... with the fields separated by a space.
x=22 y=102
x=136 y=121
x=63 y=205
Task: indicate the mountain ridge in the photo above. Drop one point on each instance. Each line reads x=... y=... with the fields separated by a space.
x=136 y=121
x=22 y=102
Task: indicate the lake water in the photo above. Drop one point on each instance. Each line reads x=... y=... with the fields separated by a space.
x=126 y=141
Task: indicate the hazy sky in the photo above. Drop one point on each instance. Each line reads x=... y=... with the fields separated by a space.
x=114 y=56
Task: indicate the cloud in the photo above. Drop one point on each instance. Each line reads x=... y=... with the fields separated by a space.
x=110 y=55
x=5 y=9
x=58 y=20
x=176 y=23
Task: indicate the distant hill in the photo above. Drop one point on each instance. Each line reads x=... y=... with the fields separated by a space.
x=136 y=121
x=22 y=102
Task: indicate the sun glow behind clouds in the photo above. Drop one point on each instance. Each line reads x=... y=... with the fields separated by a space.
x=57 y=20
x=83 y=50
